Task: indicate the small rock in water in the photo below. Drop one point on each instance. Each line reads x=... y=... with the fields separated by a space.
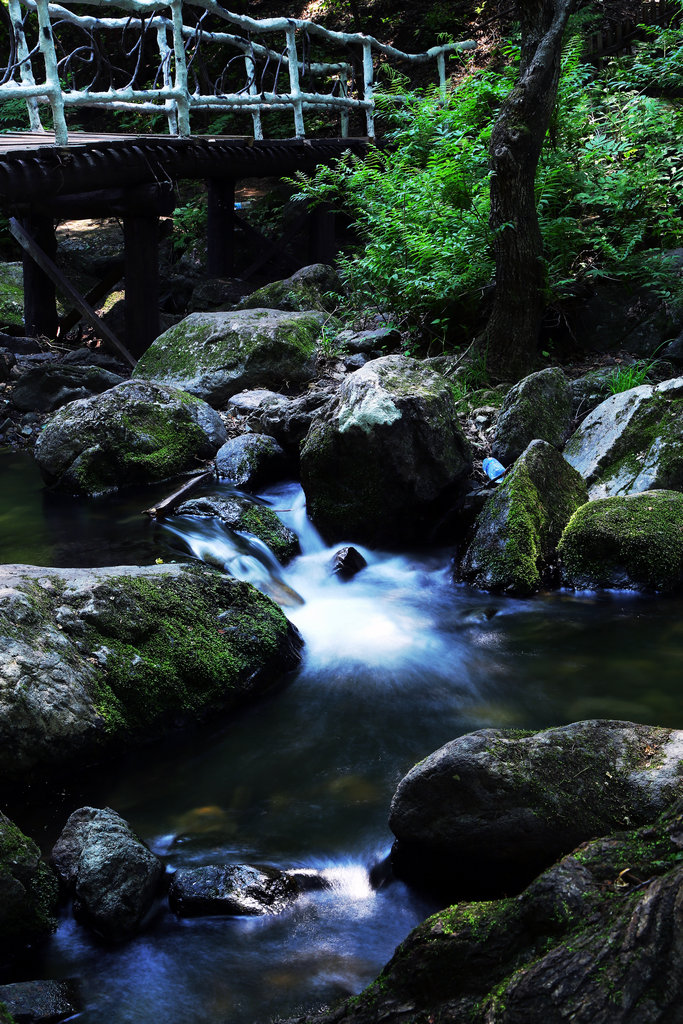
x=231 y=889
x=347 y=562
x=40 y=1002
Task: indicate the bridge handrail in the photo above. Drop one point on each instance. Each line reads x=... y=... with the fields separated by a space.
x=174 y=97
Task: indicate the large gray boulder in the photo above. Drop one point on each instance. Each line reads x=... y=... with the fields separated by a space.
x=488 y=811
x=632 y=442
x=216 y=355
x=28 y=893
x=112 y=875
x=231 y=889
x=309 y=288
x=92 y=660
x=387 y=451
x=136 y=433
x=594 y=940
x=518 y=529
x=629 y=542
x=539 y=406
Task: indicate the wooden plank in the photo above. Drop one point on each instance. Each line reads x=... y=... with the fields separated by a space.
x=94 y=296
x=67 y=289
x=166 y=506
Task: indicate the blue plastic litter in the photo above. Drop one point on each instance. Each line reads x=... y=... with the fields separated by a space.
x=493 y=468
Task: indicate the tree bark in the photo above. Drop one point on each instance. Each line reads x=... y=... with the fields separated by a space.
x=509 y=340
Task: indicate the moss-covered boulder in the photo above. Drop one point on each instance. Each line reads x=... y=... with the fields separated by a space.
x=539 y=406
x=634 y=542
x=314 y=287
x=385 y=455
x=11 y=295
x=94 y=659
x=28 y=893
x=216 y=355
x=244 y=516
x=485 y=813
x=632 y=442
x=596 y=938
x=518 y=529
x=48 y=387
x=136 y=433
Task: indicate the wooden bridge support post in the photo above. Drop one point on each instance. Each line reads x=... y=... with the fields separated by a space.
x=322 y=241
x=40 y=307
x=141 y=281
x=220 y=242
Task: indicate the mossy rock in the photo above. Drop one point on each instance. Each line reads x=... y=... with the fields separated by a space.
x=632 y=442
x=632 y=542
x=482 y=815
x=94 y=659
x=134 y=433
x=28 y=893
x=385 y=454
x=11 y=295
x=245 y=516
x=516 y=532
x=539 y=406
x=217 y=355
x=314 y=287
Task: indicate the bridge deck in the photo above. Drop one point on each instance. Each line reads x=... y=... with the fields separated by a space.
x=33 y=169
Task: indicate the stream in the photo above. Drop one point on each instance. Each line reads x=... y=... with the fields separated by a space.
x=397 y=661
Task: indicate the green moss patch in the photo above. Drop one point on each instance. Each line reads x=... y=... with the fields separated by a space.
x=632 y=541
x=11 y=295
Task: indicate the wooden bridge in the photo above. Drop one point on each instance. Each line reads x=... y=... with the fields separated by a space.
x=151 y=61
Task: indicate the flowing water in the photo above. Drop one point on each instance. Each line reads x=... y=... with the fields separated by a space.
x=397 y=661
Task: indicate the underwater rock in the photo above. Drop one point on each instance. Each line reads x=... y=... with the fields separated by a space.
x=231 y=889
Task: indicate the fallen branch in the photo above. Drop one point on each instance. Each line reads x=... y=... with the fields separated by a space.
x=167 y=506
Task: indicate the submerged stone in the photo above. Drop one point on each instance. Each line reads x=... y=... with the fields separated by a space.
x=632 y=442
x=93 y=660
x=28 y=893
x=39 y=1002
x=539 y=406
x=112 y=875
x=631 y=542
x=217 y=355
x=384 y=454
x=135 y=433
x=519 y=527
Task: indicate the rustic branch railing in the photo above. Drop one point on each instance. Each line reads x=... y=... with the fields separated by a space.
x=188 y=47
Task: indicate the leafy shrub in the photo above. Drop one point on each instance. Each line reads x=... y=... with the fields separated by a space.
x=609 y=193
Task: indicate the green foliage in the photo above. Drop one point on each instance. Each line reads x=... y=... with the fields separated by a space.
x=623 y=378
x=609 y=193
x=657 y=64
x=13 y=116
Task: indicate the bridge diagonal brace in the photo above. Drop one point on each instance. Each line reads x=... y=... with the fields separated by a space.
x=66 y=288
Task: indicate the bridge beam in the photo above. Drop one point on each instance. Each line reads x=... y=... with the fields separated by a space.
x=221 y=227
x=40 y=306
x=141 y=281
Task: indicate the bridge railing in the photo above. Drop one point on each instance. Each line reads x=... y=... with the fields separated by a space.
x=171 y=57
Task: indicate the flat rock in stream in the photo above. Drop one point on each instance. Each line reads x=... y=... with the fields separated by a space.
x=486 y=812
x=112 y=875
x=231 y=889
x=92 y=660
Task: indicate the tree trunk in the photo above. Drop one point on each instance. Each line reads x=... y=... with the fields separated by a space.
x=509 y=341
